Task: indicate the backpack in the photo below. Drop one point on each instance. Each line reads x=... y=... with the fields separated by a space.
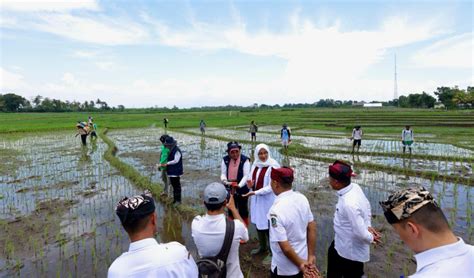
x=215 y=267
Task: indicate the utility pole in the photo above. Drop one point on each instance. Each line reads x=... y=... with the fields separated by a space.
x=395 y=85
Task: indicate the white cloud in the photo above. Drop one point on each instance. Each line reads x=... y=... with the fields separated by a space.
x=453 y=52
x=10 y=81
x=321 y=61
x=48 y=6
x=101 y=30
x=85 y=54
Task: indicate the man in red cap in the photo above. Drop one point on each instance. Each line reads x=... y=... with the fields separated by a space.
x=352 y=225
x=292 y=229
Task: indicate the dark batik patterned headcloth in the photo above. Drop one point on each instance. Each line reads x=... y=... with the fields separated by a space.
x=403 y=203
x=129 y=209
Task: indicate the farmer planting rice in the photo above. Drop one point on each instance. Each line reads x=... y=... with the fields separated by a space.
x=83 y=131
x=262 y=196
x=145 y=256
x=356 y=137
x=93 y=129
x=352 y=225
x=174 y=167
x=235 y=168
x=407 y=138
x=421 y=224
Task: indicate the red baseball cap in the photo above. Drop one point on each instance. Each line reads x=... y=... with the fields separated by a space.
x=284 y=174
x=340 y=171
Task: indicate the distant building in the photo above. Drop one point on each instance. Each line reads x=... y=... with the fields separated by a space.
x=373 y=105
x=358 y=104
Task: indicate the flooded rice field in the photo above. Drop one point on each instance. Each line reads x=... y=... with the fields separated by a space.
x=343 y=143
x=57 y=198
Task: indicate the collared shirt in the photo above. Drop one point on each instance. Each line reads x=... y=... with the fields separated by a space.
x=289 y=218
x=208 y=233
x=243 y=181
x=147 y=258
x=452 y=260
x=351 y=223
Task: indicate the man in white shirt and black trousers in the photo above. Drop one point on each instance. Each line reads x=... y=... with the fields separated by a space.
x=208 y=231
x=292 y=229
x=352 y=225
x=421 y=224
x=145 y=256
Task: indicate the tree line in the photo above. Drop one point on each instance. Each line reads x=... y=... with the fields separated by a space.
x=15 y=103
x=450 y=97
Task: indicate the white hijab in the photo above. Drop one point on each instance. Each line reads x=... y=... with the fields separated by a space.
x=270 y=161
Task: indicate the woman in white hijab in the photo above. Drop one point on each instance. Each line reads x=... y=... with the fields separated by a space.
x=262 y=196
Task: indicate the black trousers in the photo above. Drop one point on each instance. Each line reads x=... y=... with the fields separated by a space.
x=276 y=275
x=176 y=184
x=241 y=204
x=84 y=139
x=339 y=267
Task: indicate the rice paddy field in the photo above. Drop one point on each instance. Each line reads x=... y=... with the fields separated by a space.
x=57 y=198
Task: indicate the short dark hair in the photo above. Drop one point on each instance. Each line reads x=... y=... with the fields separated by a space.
x=285 y=183
x=135 y=225
x=214 y=207
x=431 y=217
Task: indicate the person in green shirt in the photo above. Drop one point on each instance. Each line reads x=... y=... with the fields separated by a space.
x=163 y=160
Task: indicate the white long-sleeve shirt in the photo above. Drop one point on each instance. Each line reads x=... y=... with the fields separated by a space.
x=148 y=258
x=452 y=260
x=351 y=222
x=243 y=181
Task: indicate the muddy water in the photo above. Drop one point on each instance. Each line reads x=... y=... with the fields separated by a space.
x=343 y=143
x=87 y=236
x=202 y=165
x=80 y=236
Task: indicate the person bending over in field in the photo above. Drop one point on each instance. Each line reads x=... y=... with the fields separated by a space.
x=83 y=130
x=145 y=256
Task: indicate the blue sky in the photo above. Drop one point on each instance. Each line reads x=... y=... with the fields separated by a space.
x=196 y=53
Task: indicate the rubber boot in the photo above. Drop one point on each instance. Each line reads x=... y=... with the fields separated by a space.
x=262 y=242
x=268 y=259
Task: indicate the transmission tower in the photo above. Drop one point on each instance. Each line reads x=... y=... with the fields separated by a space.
x=395 y=85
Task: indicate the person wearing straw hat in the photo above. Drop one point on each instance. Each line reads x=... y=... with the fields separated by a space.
x=261 y=196
x=145 y=256
x=422 y=225
x=292 y=229
x=235 y=168
x=350 y=248
x=174 y=167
